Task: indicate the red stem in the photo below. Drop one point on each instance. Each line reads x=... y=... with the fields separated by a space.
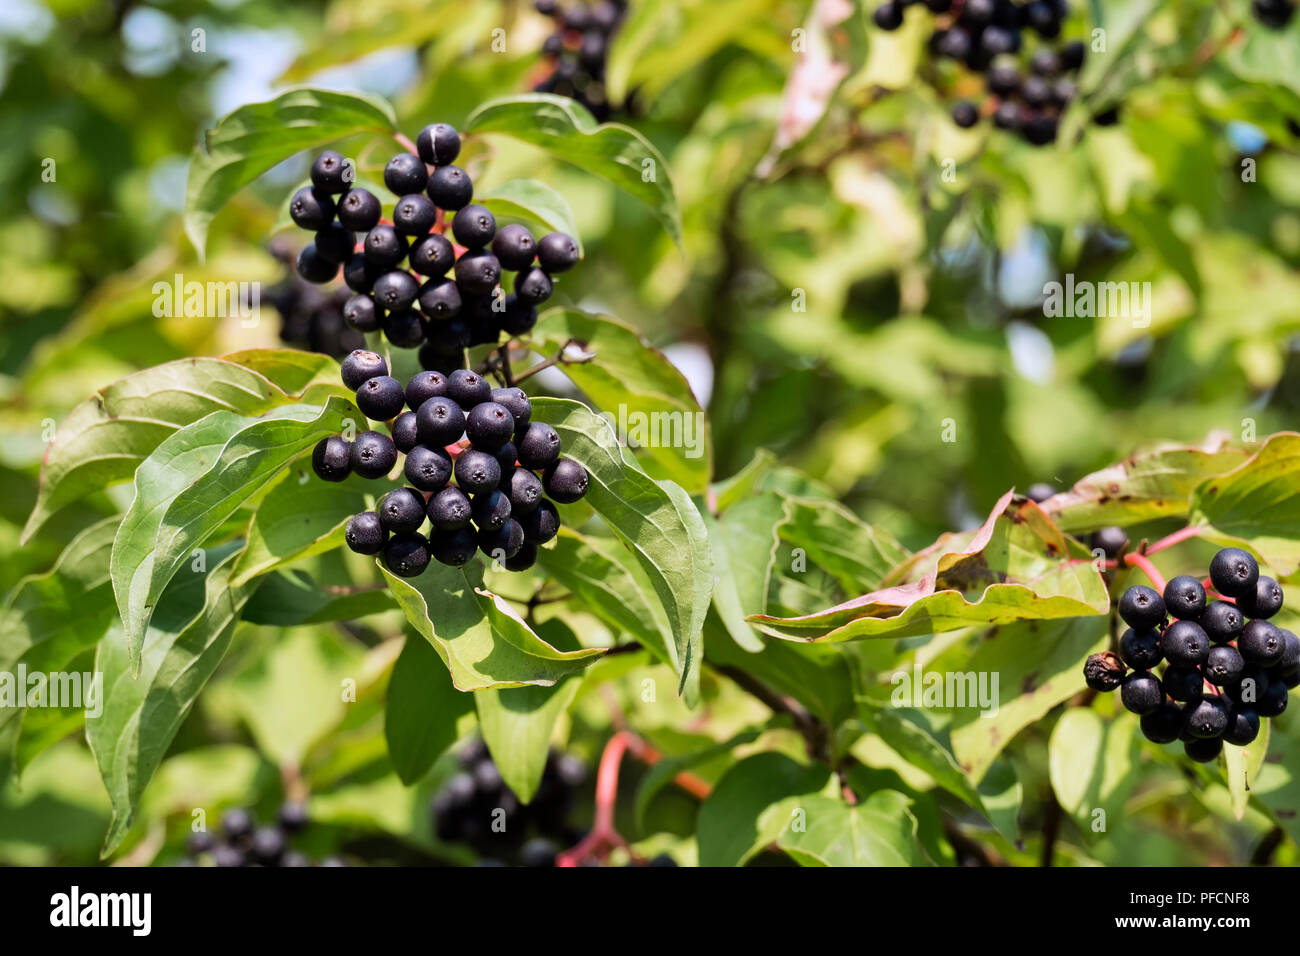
x=1149 y=569
x=1176 y=538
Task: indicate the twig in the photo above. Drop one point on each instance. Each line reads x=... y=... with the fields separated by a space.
x=814 y=733
x=1149 y=569
x=556 y=359
x=1051 y=827
x=1176 y=538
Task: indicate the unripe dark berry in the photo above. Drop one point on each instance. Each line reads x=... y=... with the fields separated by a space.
x=541 y=524
x=429 y=469
x=361 y=365
x=514 y=247
x=565 y=481
x=1222 y=621
x=404 y=328
x=1184 y=597
x=359 y=210
x=310 y=208
x=1142 y=608
x=364 y=534
x=360 y=312
x=489 y=426
x=314 y=267
x=519 y=316
x=538 y=445
x=523 y=559
x=533 y=286
x=526 y=492
x=380 y=397
x=405 y=434
x=438 y=144
x=450 y=509
x=405 y=174
x=334 y=243
x=491 y=510
x=401 y=511
x=516 y=400
x=1183 y=683
x=1266 y=602
x=478 y=272
x=468 y=388
x=414 y=214
x=424 y=386
x=450 y=187
x=453 y=548
x=1224 y=665
x=331 y=173
x=396 y=290
x=1110 y=540
x=384 y=247
x=502 y=543
x=407 y=555
x=433 y=255
x=1164 y=725
x=1203 y=751
x=1185 y=643
x=557 y=252
x=474 y=226
x=888 y=16
x=360 y=273
x=477 y=471
x=1206 y=719
x=1243 y=726
x=440 y=299
x=1103 y=671
x=331 y=459
x=1274 y=701
x=1141 y=693
x=1261 y=643
x=373 y=455
x=1140 y=649
x=439 y=421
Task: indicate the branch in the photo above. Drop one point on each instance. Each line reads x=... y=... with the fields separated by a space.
x=814 y=733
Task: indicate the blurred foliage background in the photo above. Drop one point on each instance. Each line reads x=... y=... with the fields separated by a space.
x=836 y=299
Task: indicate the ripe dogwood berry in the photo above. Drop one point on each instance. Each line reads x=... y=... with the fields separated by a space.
x=384 y=247
x=403 y=328
x=396 y=290
x=1139 y=649
x=361 y=365
x=468 y=388
x=373 y=455
x=1203 y=751
x=1222 y=621
x=1141 y=693
x=964 y=114
x=1185 y=643
x=557 y=252
x=450 y=188
x=405 y=174
x=525 y=490
x=450 y=509
x=314 y=267
x=1223 y=665
x=433 y=255
x=1184 y=597
x=565 y=481
x=519 y=316
x=523 y=559
x=380 y=397
x=504 y=542
x=236 y=823
x=414 y=214
x=538 y=446
x=405 y=433
x=477 y=471
x=1163 y=725
x=489 y=426
x=424 y=386
x=407 y=555
x=1261 y=643
x=359 y=210
x=331 y=459
x=311 y=208
x=428 y=468
x=514 y=399
x=1142 y=608
x=490 y=510
x=1266 y=601
x=330 y=172
x=1243 y=726
x=1274 y=701
x=478 y=272
x=438 y=144
x=1182 y=683
x=533 y=286
x=888 y=16
x=1206 y=718
x=440 y=299
x=454 y=548
x=514 y=247
x=1111 y=540
x=360 y=273
x=474 y=226
x=439 y=421
x=360 y=312
x=401 y=511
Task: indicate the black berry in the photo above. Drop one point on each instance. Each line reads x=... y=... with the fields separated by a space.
x=1222 y=621
x=405 y=174
x=1266 y=601
x=533 y=286
x=236 y=823
x=384 y=247
x=424 y=386
x=404 y=328
x=489 y=426
x=361 y=365
x=521 y=409
x=1163 y=725
x=1141 y=693
x=331 y=459
x=1185 y=597
x=1223 y=665
x=450 y=187
x=1243 y=726
x=1183 y=683
x=1139 y=649
x=311 y=208
x=364 y=534
x=314 y=267
x=1206 y=719
x=888 y=16
x=525 y=490
x=453 y=547
x=504 y=543
x=1203 y=751
x=557 y=252
x=490 y=510
x=359 y=311
x=380 y=397
x=566 y=482
x=1261 y=643
x=1142 y=608
x=449 y=509
x=474 y=226
x=538 y=446
x=428 y=469
x=478 y=272
x=334 y=243
x=396 y=290
x=477 y=471
x=439 y=421
x=359 y=210
x=373 y=455
x=433 y=255
x=438 y=144
x=1111 y=540
x=514 y=247
x=407 y=555
x=414 y=214
x=468 y=388
x=401 y=511
x=523 y=559
x=1274 y=701
x=1185 y=643
x=331 y=173
x=541 y=524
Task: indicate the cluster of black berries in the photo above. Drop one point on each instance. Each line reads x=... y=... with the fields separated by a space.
x=577 y=50
x=1274 y=14
x=455 y=425
x=244 y=843
x=478 y=808
x=460 y=302
x=988 y=37
x=1228 y=666
x=312 y=318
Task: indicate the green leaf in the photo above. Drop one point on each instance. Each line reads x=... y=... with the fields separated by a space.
x=483 y=642
x=299 y=517
x=744 y=548
x=105 y=438
x=1092 y=765
x=918 y=746
x=655 y=519
x=252 y=139
x=531 y=200
x=1242 y=767
x=663 y=773
x=1256 y=504
x=639 y=392
x=1143 y=488
x=751 y=806
x=1017 y=566
x=50 y=618
x=879 y=831
x=839 y=543
x=422 y=710
x=517 y=724
x=290 y=598
x=1038 y=664
x=147 y=700
x=744 y=483
x=196 y=479
x=290 y=370
x=1268 y=56
x=568 y=132
x=601 y=574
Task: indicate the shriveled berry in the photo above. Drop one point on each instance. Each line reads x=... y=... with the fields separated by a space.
x=1103 y=671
